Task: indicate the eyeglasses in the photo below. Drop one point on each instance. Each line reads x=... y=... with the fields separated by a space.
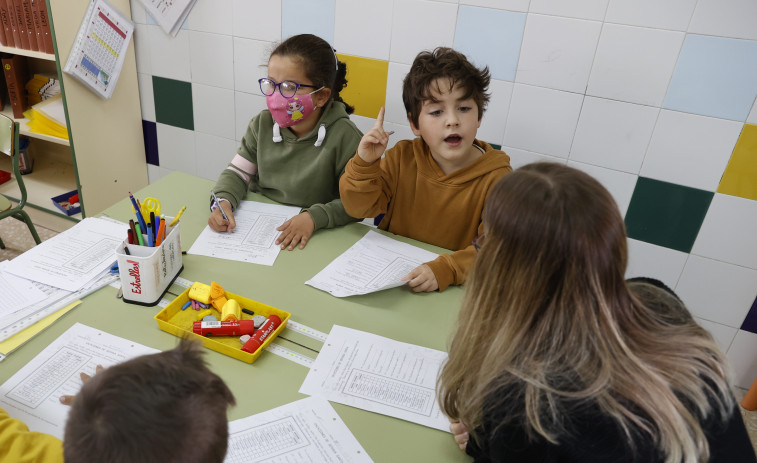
x=287 y=88
x=478 y=241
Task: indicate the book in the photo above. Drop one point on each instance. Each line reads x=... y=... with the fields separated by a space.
x=18 y=15
x=44 y=21
x=16 y=39
x=3 y=24
x=38 y=25
x=16 y=75
x=31 y=34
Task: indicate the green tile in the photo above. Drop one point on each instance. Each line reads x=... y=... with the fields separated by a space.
x=666 y=214
x=173 y=102
x=495 y=146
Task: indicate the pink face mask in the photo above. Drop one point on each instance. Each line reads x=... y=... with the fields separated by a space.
x=290 y=111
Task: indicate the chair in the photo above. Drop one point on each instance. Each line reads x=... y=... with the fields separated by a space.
x=9 y=141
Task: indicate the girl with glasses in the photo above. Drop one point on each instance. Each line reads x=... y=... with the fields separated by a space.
x=295 y=151
x=557 y=358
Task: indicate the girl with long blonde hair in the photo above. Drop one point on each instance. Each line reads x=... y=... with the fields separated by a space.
x=556 y=357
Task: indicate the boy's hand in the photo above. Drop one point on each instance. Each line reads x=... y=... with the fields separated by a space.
x=69 y=399
x=422 y=279
x=460 y=431
x=218 y=223
x=298 y=229
x=373 y=144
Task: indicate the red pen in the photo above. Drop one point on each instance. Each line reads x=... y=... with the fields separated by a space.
x=130 y=236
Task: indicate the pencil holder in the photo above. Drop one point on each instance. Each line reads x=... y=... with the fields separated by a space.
x=147 y=272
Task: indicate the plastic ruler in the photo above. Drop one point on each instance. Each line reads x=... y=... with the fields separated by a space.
x=306 y=330
x=289 y=354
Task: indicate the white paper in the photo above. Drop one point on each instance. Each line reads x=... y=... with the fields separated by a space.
x=169 y=14
x=378 y=374
x=253 y=239
x=374 y=263
x=307 y=430
x=32 y=394
x=17 y=293
x=99 y=51
x=73 y=259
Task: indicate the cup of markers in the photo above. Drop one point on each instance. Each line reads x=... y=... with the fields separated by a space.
x=149 y=260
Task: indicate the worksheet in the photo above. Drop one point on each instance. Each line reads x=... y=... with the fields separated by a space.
x=169 y=14
x=304 y=431
x=32 y=394
x=73 y=259
x=378 y=374
x=253 y=239
x=18 y=293
x=374 y=263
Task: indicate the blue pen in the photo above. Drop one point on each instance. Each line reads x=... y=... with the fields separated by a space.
x=150 y=239
x=140 y=219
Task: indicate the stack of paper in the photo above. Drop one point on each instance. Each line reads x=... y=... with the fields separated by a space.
x=42 y=87
x=169 y=14
x=48 y=118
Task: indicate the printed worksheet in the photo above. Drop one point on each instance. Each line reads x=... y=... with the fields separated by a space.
x=169 y=14
x=32 y=394
x=304 y=431
x=18 y=293
x=73 y=259
x=378 y=374
x=374 y=263
x=253 y=239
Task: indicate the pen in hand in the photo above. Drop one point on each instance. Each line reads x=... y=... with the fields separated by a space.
x=215 y=200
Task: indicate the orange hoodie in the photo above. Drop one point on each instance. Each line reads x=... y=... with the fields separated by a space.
x=422 y=202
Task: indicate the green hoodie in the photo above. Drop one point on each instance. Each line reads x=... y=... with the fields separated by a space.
x=295 y=171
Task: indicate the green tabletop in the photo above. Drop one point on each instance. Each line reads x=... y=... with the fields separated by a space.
x=423 y=319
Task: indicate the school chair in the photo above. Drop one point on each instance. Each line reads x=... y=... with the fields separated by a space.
x=9 y=141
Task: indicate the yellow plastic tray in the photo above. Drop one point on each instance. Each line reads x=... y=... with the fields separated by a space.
x=179 y=323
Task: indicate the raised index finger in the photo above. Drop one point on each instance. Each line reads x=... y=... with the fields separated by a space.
x=380 y=119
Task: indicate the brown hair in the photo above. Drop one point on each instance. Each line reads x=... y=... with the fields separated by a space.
x=166 y=407
x=548 y=321
x=319 y=62
x=440 y=64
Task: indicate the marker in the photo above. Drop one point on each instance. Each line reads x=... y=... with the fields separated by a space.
x=161 y=232
x=215 y=200
x=230 y=328
x=257 y=339
x=140 y=219
x=176 y=219
x=139 y=235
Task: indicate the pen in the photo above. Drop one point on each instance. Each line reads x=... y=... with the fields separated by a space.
x=176 y=219
x=391 y=132
x=215 y=199
x=140 y=219
x=129 y=236
x=126 y=250
x=153 y=225
x=161 y=231
x=139 y=235
x=133 y=231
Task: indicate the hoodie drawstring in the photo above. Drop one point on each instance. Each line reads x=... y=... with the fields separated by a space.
x=277 y=134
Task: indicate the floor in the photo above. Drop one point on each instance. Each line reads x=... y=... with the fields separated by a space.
x=17 y=239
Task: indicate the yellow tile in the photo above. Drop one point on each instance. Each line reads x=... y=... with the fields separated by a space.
x=366 y=84
x=740 y=177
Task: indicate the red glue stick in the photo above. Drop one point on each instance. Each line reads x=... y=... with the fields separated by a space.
x=256 y=340
x=228 y=328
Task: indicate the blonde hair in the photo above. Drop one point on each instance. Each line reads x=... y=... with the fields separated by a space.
x=548 y=322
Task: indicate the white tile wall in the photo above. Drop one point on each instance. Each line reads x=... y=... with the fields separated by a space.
x=246 y=106
x=557 y=52
x=250 y=64
x=670 y=14
x=717 y=291
x=146 y=99
x=212 y=59
x=492 y=129
x=395 y=109
x=519 y=157
x=725 y=18
x=142 y=48
x=212 y=110
x=252 y=22
x=350 y=35
x=702 y=144
x=619 y=184
x=582 y=9
x=634 y=64
x=542 y=120
x=613 y=134
x=176 y=148
x=752 y=119
x=211 y=16
x=169 y=56
x=511 y=5
x=727 y=233
x=213 y=154
x=742 y=358
x=652 y=261
x=421 y=25
x=722 y=334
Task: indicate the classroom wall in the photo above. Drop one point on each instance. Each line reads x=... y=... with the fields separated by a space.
x=655 y=99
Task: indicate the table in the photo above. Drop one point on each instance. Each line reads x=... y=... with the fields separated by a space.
x=425 y=319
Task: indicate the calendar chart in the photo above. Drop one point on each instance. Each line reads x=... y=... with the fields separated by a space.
x=98 y=53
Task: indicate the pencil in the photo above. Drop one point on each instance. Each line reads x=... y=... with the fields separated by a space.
x=176 y=219
x=213 y=193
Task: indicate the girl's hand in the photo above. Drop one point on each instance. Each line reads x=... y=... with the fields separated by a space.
x=298 y=229
x=373 y=144
x=218 y=223
x=422 y=279
x=460 y=431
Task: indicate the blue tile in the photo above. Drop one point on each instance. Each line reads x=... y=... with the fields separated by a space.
x=308 y=17
x=714 y=76
x=750 y=322
x=150 y=133
x=490 y=38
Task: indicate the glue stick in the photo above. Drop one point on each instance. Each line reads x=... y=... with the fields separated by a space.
x=257 y=339
x=230 y=328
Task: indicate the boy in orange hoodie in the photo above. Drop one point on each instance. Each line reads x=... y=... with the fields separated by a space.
x=432 y=188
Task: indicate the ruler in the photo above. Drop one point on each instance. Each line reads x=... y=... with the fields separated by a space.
x=306 y=330
x=289 y=354
x=183 y=282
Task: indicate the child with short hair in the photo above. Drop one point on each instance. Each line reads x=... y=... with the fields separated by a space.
x=295 y=151
x=431 y=188
x=166 y=407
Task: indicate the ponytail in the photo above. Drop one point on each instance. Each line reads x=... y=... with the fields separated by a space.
x=339 y=83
